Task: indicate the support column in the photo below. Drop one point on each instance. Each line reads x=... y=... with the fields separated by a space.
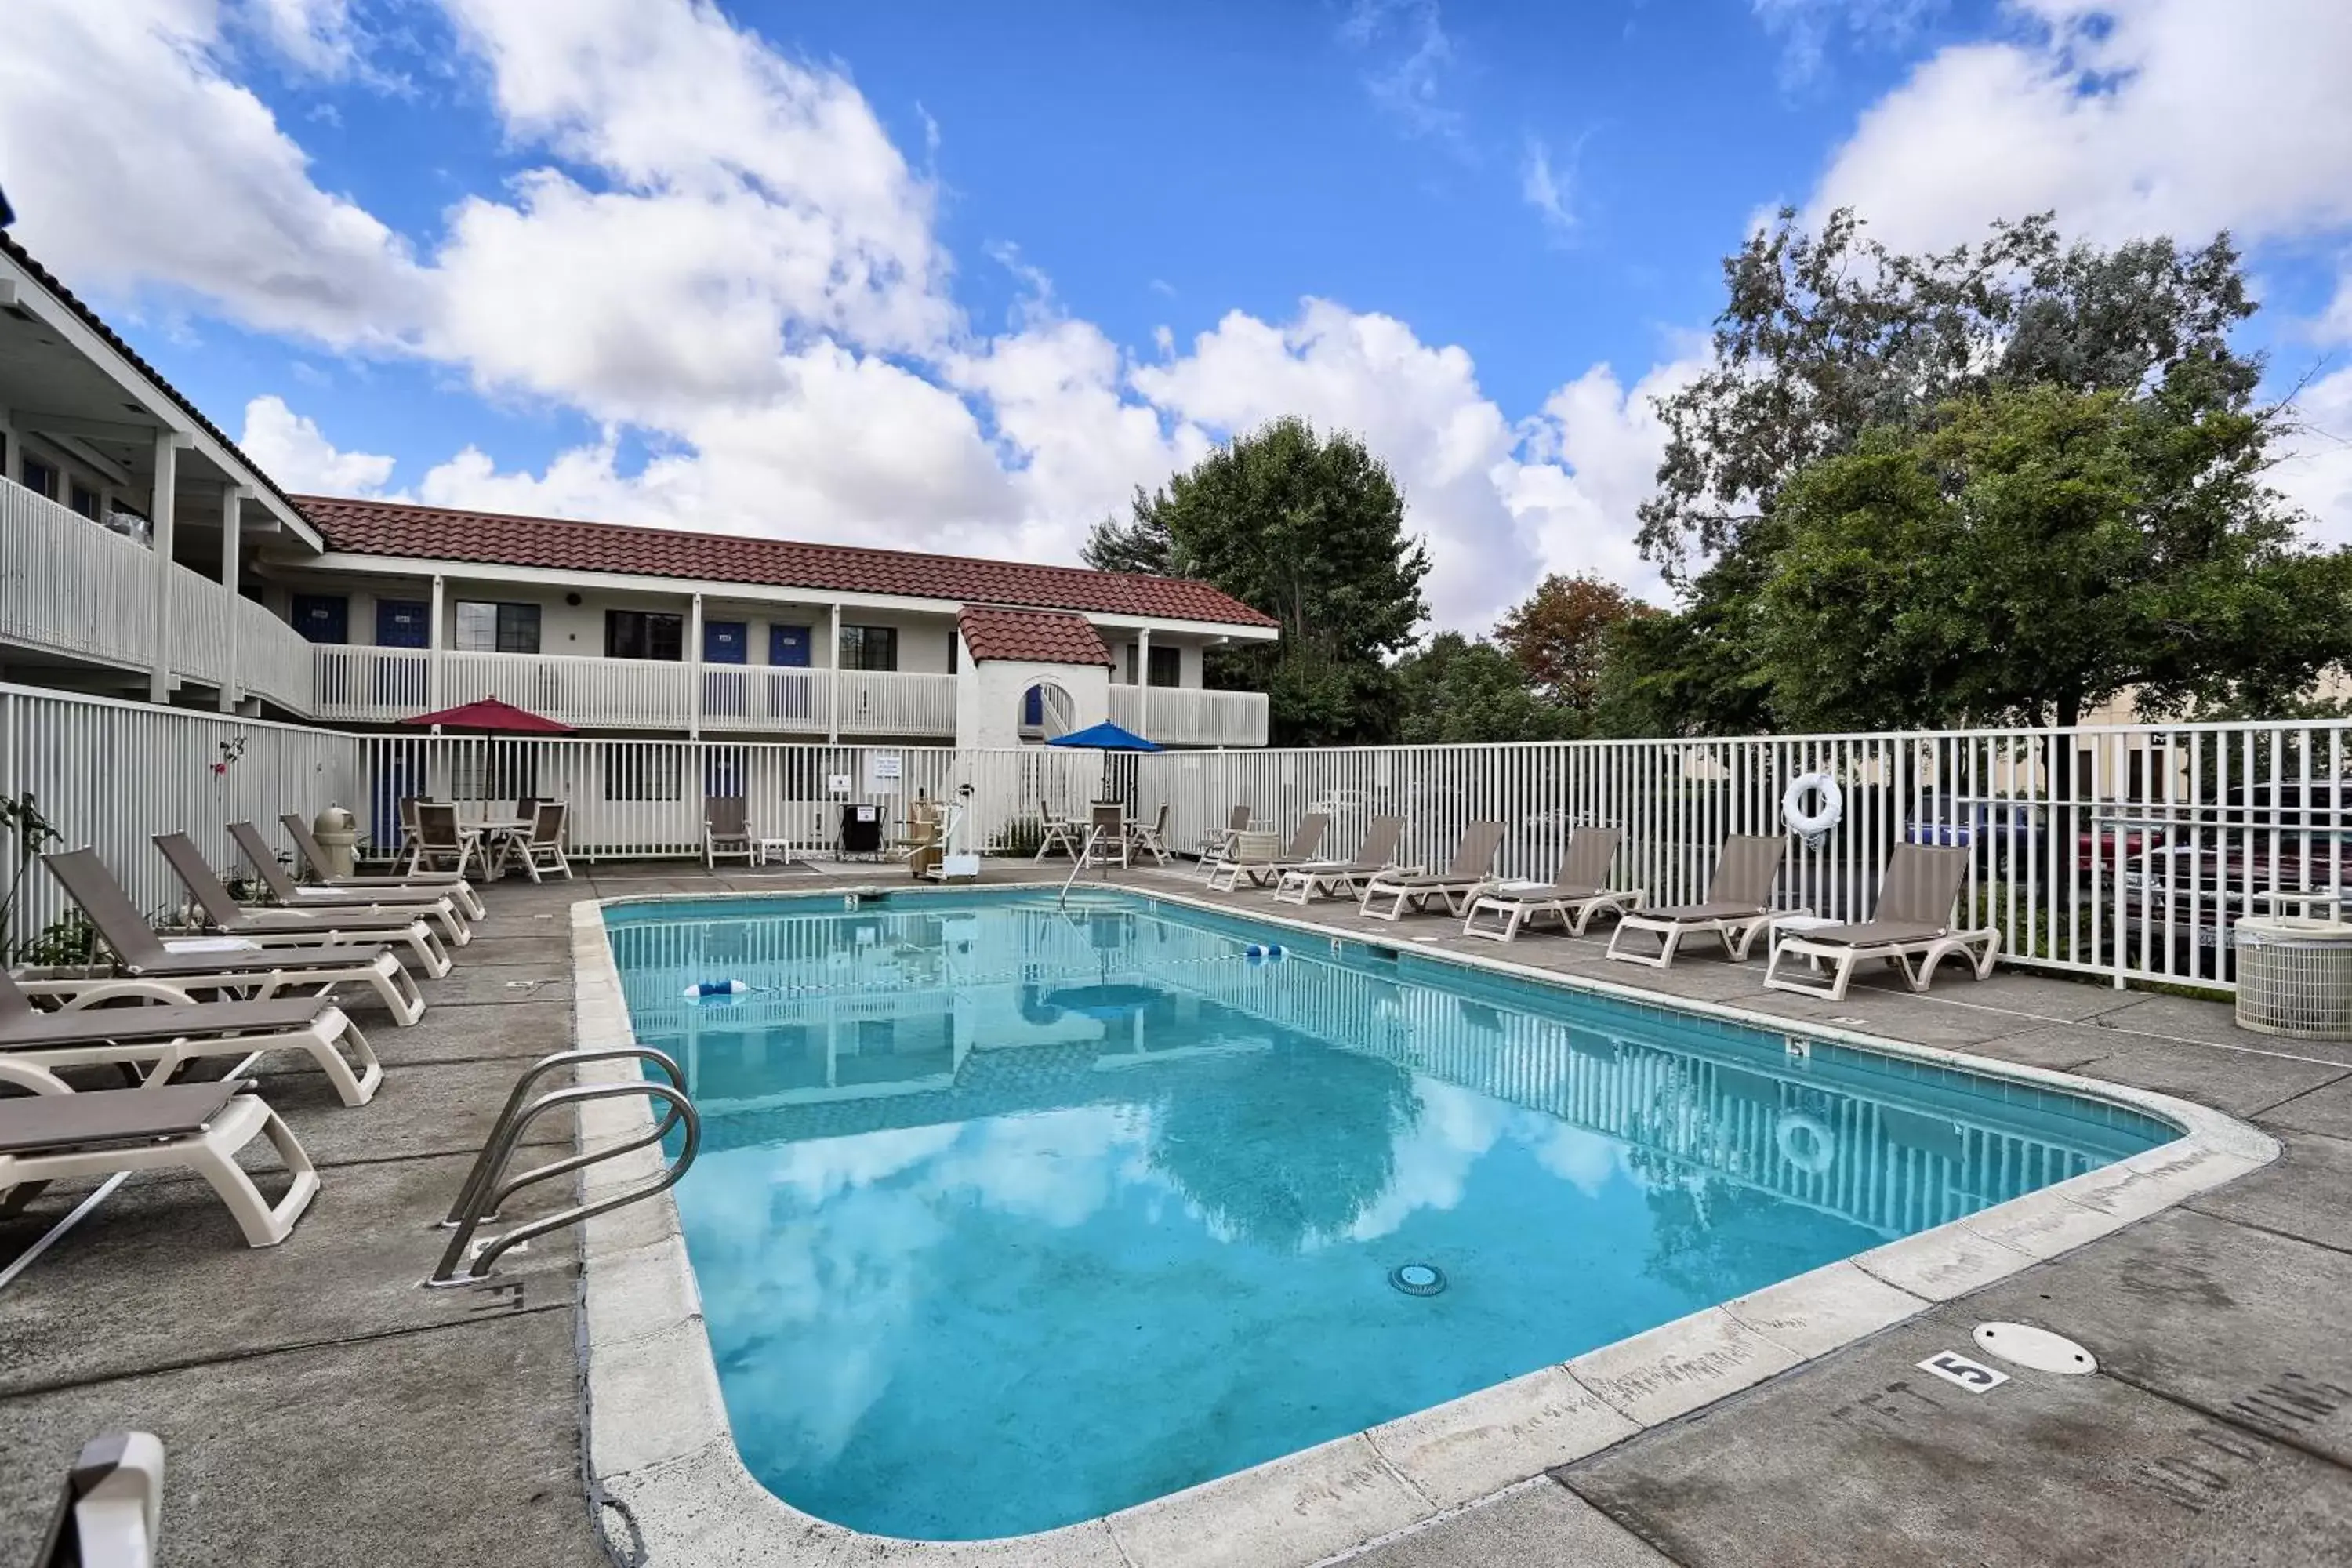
x=694 y=671
x=1144 y=683
x=159 y=511
x=433 y=639
x=834 y=716
x=233 y=498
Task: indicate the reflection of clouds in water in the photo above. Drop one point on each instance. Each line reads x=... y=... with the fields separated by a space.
x=1457 y=1129
x=1057 y=1167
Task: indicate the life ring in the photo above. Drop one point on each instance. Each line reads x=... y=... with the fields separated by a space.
x=1813 y=825
x=1805 y=1142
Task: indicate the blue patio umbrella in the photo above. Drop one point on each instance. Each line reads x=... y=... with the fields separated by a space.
x=1106 y=737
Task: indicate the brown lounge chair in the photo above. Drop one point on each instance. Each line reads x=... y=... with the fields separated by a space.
x=57 y=1135
x=726 y=831
x=229 y=965
x=1455 y=887
x=1913 y=920
x=1346 y=878
x=223 y=913
x=460 y=891
x=430 y=905
x=1577 y=892
x=86 y=1031
x=1738 y=904
x=1261 y=868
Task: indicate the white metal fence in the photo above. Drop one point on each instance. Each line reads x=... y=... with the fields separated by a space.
x=2123 y=851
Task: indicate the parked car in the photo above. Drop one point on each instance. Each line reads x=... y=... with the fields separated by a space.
x=2001 y=831
x=2188 y=889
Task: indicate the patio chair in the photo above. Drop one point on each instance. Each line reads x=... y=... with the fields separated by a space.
x=460 y=891
x=725 y=830
x=1345 y=878
x=1577 y=892
x=1246 y=861
x=110 y=1512
x=1469 y=875
x=57 y=1135
x=86 y=1031
x=231 y=966
x=441 y=837
x=1217 y=843
x=223 y=914
x=406 y=806
x=1152 y=837
x=1107 y=838
x=539 y=846
x=1059 y=832
x=430 y=905
x=1913 y=920
x=1738 y=904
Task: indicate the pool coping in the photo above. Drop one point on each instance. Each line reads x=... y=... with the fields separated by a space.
x=662 y=1453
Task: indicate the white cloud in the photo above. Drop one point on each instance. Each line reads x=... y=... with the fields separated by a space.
x=316 y=35
x=2314 y=466
x=1546 y=190
x=1805 y=28
x=132 y=161
x=2128 y=117
x=1407 y=82
x=290 y=450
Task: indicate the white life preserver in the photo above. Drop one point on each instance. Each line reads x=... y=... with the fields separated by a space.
x=1814 y=825
x=1805 y=1142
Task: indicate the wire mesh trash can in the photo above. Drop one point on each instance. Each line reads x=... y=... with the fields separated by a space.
x=2295 y=976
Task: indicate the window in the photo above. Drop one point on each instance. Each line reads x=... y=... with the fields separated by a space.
x=1166 y=666
x=642 y=773
x=85 y=501
x=498 y=628
x=644 y=634
x=39 y=478
x=869 y=648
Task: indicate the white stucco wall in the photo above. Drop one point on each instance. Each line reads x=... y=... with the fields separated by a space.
x=988 y=698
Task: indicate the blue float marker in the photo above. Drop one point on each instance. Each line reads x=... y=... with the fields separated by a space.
x=717 y=988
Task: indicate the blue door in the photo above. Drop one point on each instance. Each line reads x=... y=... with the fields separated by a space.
x=323 y=617
x=402 y=623
x=724 y=642
x=789 y=645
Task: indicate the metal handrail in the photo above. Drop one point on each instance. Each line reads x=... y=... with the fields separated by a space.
x=479 y=1178
x=455 y=1268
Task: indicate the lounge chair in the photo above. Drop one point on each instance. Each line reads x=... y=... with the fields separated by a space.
x=438 y=837
x=1059 y=832
x=726 y=831
x=1217 y=843
x=1738 y=904
x=1246 y=862
x=1577 y=892
x=1913 y=920
x=460 y=891
x=86 y=1032
x=110 y=1515
x=281 y=927
x=57 y=1135
x=430 y=905
x=1460 y=882
x=539 y=846
x=229 y=965
x=1346 y=878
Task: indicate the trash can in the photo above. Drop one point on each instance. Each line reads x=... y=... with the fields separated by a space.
x=337 y=831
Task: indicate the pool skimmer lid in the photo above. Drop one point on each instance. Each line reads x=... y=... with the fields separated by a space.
x=1418 y=1278
x=2037 y=1349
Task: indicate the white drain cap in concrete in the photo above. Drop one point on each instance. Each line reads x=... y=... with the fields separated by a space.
x=2039 y=1350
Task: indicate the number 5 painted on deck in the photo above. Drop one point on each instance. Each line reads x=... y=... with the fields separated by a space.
x=1953 y=1367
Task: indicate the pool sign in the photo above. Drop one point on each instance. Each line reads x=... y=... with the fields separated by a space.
x=1972 y=1376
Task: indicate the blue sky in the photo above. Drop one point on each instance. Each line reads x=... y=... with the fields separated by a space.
x=959 y=276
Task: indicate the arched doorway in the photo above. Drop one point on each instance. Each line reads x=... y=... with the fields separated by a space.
x=1047 y=712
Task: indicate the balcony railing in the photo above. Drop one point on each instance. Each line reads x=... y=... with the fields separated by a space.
x=1190 y=716
x=68 y=586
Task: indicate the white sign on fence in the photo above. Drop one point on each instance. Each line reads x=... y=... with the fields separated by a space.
x=882 y=773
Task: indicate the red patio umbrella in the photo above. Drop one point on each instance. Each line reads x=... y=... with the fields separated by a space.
x=490 y=714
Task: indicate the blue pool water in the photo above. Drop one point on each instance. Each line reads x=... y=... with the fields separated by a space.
x=1008 y=1216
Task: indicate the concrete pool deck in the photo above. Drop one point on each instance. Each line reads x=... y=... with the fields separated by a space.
x=317 y=1407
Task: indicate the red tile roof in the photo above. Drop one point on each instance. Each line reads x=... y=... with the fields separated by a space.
x=1032 y=637
x=437 y=534
x=113 y=339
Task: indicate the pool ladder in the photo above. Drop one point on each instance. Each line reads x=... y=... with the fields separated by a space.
x=487 y=1188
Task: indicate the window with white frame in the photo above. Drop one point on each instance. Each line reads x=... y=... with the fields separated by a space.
x=483 y=627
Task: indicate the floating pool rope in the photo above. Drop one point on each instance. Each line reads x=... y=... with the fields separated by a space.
x=1259 y=952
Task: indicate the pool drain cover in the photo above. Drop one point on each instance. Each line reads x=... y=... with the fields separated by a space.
x=1418 y=1278
x=2022 y=1344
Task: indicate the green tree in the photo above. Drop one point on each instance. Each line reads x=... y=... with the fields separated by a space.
x=1311 y=531
x=1456 y=689
x=2034 y=552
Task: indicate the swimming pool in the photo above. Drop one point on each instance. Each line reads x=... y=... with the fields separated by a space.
x=1010 y=1215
